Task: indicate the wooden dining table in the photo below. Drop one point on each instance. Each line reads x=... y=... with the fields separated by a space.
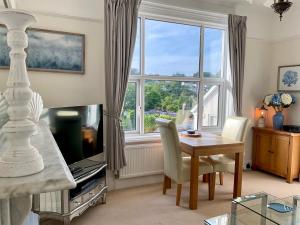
x=211 y=144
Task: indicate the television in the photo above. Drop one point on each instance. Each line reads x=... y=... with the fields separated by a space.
x=78 y=131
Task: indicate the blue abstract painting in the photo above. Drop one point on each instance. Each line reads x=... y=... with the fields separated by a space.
x=288 y=79
x=49 y=51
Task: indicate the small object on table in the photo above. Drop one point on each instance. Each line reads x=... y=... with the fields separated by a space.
x=281 y=208
x=191 y=133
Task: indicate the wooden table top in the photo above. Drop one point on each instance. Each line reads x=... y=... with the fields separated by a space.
x=208 y=140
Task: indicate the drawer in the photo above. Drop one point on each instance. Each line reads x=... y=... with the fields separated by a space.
x=92 y=192
x=75 y=203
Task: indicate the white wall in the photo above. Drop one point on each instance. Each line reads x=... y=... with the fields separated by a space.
x=62 y=89
x=257 y=64
x=270 y=43
x=286 y=51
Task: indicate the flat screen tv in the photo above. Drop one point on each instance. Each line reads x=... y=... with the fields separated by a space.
x=78 y=131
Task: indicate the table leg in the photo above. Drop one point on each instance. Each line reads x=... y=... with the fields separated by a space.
x=264 y=207
x=4 y=212
x=233 y=214
x=296 y=210
x=194 y=182
x=238 y=173
x=14 y=211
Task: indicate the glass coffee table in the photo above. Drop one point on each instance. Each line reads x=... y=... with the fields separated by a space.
x=261 y=209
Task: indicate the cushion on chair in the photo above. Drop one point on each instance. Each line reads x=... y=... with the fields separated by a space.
x=204 y=168
x=221 y=163
x=234 y=128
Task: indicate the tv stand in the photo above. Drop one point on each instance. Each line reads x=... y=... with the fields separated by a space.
x=65 y=205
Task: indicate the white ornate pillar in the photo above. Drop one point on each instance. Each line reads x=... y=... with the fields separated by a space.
x=20 y=158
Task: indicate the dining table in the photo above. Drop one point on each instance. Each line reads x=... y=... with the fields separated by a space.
x=209 y=144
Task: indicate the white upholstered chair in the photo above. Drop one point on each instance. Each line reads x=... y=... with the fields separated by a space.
x=176 y=166
x=234 y=128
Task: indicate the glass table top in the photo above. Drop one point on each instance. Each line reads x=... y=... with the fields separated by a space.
x=261 y=208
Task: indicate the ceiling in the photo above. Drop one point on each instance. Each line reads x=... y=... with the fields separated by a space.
x=77 y=8
x=90 y=8
x=233 y=3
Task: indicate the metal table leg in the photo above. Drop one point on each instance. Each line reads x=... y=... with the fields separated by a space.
x=296 y=211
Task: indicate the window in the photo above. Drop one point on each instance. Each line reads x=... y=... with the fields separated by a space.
x=162 y=57
x=136 y=61
x=177 y=74
x=210 y=105
x=213 y=52
x=128 y=116
x=173 y=100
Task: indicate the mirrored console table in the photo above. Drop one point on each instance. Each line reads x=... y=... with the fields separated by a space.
x=65 y=205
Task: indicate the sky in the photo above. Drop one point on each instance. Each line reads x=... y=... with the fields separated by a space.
x=172 y=48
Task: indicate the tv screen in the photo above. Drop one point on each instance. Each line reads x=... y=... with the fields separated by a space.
x=78 y=131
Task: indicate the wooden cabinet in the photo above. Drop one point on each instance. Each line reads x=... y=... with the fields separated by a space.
x=277 y=152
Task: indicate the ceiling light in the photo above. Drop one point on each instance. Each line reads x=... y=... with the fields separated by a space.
x=281 y=6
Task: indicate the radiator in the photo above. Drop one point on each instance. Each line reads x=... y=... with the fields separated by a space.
x=143 y=160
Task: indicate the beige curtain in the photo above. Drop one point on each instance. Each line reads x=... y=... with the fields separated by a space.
x=237 y=31
x=120 y=27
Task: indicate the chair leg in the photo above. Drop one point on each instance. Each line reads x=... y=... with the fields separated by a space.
x=221 y=176
x=211 y=186
x=178 y=195
x=167 y=184
x=205 y=178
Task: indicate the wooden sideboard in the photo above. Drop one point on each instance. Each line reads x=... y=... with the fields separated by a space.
x=276 y=152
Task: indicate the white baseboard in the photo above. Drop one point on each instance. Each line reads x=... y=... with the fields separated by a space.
x=117 y=184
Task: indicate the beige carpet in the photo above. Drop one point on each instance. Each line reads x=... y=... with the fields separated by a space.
x=147 y=206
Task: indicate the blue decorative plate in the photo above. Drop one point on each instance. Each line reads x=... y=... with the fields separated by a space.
x=281 y=208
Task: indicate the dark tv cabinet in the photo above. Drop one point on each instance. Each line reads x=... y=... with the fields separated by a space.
x=65 y=205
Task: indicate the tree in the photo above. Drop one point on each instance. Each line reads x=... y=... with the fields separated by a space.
x=130 y=99
x=153 y=95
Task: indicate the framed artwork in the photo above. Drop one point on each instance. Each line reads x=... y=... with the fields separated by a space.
x=50 y=51
x=288 y=78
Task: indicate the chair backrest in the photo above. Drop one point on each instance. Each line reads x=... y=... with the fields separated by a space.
x=172 y=150
x=235 y=128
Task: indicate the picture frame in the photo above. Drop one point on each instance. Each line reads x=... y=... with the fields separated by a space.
x=288 y=78
x=49 y=51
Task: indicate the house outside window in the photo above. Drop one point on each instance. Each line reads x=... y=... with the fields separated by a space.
x=177 y=73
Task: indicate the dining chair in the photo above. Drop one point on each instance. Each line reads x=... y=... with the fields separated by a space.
x=235 y=128
x=177 y=166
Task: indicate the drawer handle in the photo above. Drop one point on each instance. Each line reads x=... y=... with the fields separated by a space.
x=77 y=203
x=271 y=152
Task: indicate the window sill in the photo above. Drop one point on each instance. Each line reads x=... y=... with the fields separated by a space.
x=133 y=139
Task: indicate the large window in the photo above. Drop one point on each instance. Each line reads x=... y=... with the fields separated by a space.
x=177 y=74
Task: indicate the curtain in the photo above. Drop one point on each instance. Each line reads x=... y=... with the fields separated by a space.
x=120 y=27
x=237 y=30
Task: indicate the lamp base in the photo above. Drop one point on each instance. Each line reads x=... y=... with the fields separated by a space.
x=261 y=122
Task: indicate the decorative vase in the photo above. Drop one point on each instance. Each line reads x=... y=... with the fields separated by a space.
x=19 y=158
x=278 y=119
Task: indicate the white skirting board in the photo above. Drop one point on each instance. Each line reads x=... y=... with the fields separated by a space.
x=143 y=160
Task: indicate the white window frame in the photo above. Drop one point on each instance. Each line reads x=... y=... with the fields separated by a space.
x=221 y=82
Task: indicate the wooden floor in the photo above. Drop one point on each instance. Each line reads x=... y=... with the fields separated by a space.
x=147 y=206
